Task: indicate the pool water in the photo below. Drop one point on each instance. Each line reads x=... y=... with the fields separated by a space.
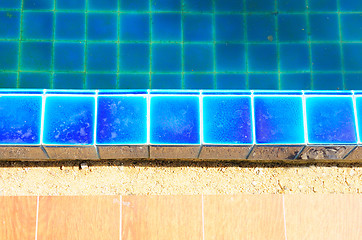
x=181 y=44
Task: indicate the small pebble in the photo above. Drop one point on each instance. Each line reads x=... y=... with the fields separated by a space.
x=83 y=166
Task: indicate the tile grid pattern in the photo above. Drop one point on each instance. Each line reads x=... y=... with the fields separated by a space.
x=341 y=74
x=251 y=120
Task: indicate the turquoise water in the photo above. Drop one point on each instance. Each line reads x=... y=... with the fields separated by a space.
x=181 y=44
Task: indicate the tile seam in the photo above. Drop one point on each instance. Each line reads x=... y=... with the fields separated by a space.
x=20 y=43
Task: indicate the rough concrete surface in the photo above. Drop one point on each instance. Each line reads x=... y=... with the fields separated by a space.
x=177 y=177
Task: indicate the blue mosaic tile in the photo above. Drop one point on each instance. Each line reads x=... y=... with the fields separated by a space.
x=8 y=80
x=330 y=120
x=279 y=120
x=353 y=81
x=326 y=57
x=134 y=81
x=166 y=5
x=260 y=5
x=9 y=56
x=166 y=81
x=292 y=27
x=230 y=5
x=262 y=57
x=199 y=81
x=37 y=25
x=198 y=5
x=34 y=80
x=355 y=6
x=69 y=57
x=161 y=55
x=261 y=27
x=291 y=6
x=68 y=81
x=351 y=27
x=322 y=5
x=197 y=27
x=198 y=58
x=230 y=57
x=136 y=57
x=122 y=120
x=36 y=56
x=297 y=61
x=166 y=27
x=70 y=4
x=168 y=113
x=134 y=27
x=324 y=27
x=295 y=81
x=230 y=81
x=102 y=57
x=352 y=55
x=134 y=5
x=263 y=81
x=229 y=27
x=327 y=81
x=227 y=120
x=10 y=24
x=38 y=4
x=10 y=4
x=106 y=5
x=102 y=26
x=20 y=124
x=70 y=26
x=69 y=120
x=101 y=81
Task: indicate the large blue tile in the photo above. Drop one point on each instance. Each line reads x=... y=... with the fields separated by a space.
x=162 y=55
x=102 y=26
x=352 y=56
x=292 y=27
x=10 y=24
x=135 y=27
x=197 y=27
x=102 y=57
x=122 y=120
x=330 y=120
x=279 y=120
x=70 y=26
x=229 y=27
x=70 y=4
x=227 y=120
x=359 y=116
x=20 y=123
x=69 y=57
x=294 y=57
x=174 y=120
x=69 y=120
x=198 y=58
x=34 y=80
x=230 y=58
x=37 y=25
x=134 y=57
x=9 y=56
x=134 y=5
x=36 y=56
x=324 y=27
x=198 y=5
x=37 y=4
x=166 y=27
x=105 y=5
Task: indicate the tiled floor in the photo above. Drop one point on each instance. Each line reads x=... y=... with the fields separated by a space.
x=182 y=217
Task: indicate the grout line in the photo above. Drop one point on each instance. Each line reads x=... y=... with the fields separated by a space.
x=43 y=99
x=214 y=43
x=85 y=43
x=203 y=216
x=355 y=116
x=246 y=46
x=37 y=218
x=19 y=43
x=53 y=45
x=285 y=223
x=182 y=47
x=118 y=44
x=309 y=45
x=340 y=43
x=150 y=26
x=253 y=117
x=276 y=22
x=120 y=217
